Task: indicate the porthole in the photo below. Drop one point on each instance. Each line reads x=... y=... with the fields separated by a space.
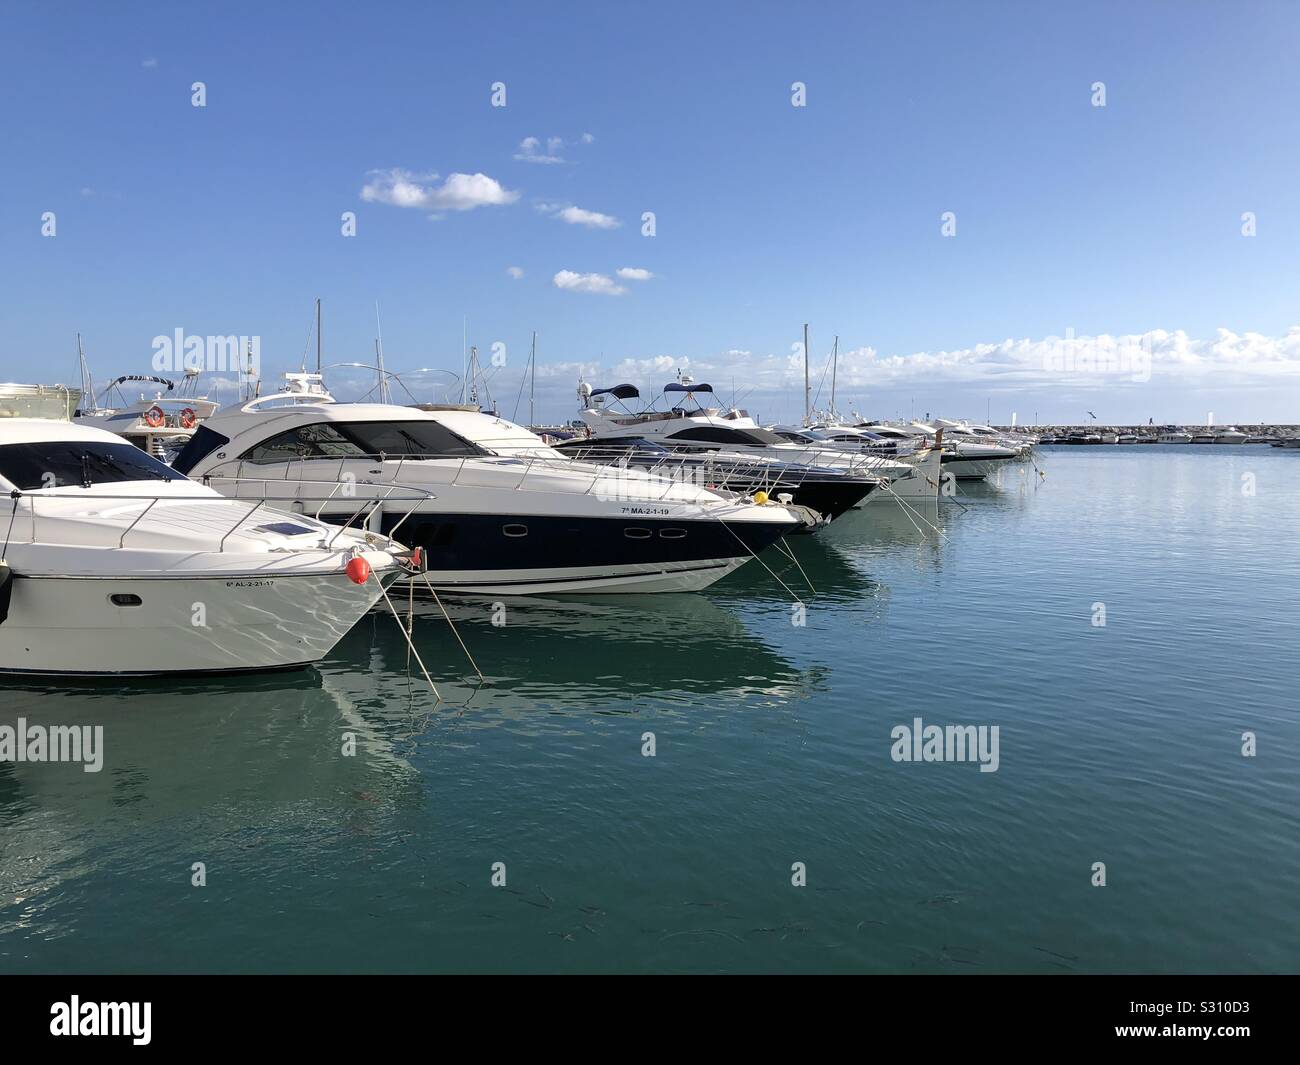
x=672 y=534
x=515 y=530
x=125 y=599
x=637 y=534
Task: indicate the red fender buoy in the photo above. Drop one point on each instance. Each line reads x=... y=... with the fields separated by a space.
x=358 y=571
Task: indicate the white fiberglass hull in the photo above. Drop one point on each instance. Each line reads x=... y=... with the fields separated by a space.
x=924 y=486
x=183 y=624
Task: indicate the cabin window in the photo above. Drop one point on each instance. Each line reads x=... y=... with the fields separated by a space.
x=321 y=441
x=515 y=530
x=672 y=534
x=334 y=440
x=125 y=599
x=716 y=434
x=60 y=463
x=418 y=439
x=637 y=534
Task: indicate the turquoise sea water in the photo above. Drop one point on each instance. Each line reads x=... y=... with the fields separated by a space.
x=1119 y=744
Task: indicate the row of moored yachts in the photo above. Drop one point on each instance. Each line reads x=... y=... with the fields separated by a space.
x=171 y=535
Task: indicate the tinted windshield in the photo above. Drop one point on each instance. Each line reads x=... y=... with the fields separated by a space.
x=58 y=463
x=334 y=440
x=200 y=445
x=713 y=434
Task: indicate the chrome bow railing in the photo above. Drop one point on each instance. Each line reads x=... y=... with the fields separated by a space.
x=70 y=504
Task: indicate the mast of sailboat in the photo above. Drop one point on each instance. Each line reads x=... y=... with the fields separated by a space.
x=464 y=355
x=835 y=365
x=807 y=388
x=87 y=382
x=379 y=356
x=532 y=380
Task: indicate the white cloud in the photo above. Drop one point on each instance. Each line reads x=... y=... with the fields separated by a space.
x=634 y=273
x=515 y=271
x=149 y=64
x=578 y=216
x=1166 y=374
x=530 y=151
x=459 y=192
x=594 y=283
x=87 y=192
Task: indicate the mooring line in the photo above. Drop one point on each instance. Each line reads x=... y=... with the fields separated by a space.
x=452 y=624
x=407 y=636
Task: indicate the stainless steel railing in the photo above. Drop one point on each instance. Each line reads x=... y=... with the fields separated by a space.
x=52 y=500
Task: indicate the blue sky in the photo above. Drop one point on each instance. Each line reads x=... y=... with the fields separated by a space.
x=1123 y=220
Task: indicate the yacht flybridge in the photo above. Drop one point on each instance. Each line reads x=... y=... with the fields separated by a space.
x=504 y=513
x=686 y=425
x=160 y=424
x=114 y=563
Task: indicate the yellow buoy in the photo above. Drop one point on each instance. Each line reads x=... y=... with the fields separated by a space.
x=760 y=498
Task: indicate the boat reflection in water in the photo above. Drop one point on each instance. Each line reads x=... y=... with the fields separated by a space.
x=574 y=655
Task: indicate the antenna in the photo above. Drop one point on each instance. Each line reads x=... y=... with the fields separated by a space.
x=318 y=334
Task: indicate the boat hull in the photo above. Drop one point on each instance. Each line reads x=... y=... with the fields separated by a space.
x=70 y=625
x=493 y=554
x=923 y=487
x=971 y=469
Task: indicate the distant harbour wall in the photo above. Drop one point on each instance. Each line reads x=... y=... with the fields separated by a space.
x=1282 y=435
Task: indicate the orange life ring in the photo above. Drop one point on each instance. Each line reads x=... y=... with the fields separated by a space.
x=188 y=418
x=154 y=417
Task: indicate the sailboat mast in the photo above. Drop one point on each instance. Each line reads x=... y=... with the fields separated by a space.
x=807 y=388
x=532 y=381
x=835 y=366
x=379 y=356
x=87 y=382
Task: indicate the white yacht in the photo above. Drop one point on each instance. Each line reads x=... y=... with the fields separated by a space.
x=160 y=424
x=113 y=563
x=1231 y=435
x=965 y=457
x=915 y=452
x=38 y=401
x=686 y=425
x=505 y=514
x=1020 y=443
x=1174 y=437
